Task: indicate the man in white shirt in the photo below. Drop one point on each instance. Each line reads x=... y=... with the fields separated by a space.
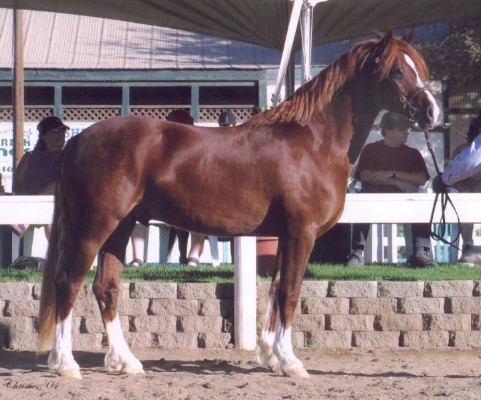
x=465 y=164
x=464 y=174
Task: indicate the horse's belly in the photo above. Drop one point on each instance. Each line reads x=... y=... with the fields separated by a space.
x=209 y=214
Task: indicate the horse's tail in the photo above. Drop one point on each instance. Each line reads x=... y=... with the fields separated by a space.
x=47 y=317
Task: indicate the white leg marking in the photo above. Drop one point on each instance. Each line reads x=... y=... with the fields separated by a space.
x=120 y=359
x=265 y=354
x=60 y=359
x=419 y=84
x=290 y=364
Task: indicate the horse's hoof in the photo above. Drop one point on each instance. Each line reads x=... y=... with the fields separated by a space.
x=125 y=368
x=274 y=364
x=275 y=367
x=267 y=359
x=299 y=372
x=132 y=370
x=70 y=373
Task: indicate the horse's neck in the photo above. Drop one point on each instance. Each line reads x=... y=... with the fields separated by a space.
x=361 y=130
x=363 y=116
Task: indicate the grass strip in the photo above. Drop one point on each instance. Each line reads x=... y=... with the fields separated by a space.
x=225 y=273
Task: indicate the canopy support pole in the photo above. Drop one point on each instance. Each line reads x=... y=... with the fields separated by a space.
x=286 y=53
x=301 y=11
x=306 y=32
x=18 y=88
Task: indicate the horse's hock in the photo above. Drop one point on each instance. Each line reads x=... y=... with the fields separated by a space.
x=334 y=315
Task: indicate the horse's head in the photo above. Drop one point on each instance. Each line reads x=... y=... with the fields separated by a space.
x=401 y=74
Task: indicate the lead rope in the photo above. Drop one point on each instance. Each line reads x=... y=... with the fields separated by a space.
x=444 y=201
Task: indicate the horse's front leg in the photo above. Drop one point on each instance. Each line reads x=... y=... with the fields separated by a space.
x=294 y=263
x=106 y=288
x=265 y=347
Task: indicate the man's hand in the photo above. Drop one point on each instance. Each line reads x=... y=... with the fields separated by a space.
x=379 y=176
x=438 y=185
x=406 y=187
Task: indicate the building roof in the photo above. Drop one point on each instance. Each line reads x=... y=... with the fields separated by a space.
x=64 y=41
x=55 y=41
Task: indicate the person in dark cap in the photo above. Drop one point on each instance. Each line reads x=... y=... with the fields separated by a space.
x=227 y=118
x=180 y=116
x=140 y=231
x=36 y=173
x=390 y=166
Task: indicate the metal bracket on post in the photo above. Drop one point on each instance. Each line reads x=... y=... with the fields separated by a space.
x=306 y=33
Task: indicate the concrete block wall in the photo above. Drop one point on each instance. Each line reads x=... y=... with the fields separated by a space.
x=330 y=314
x=345 y=314
x=152 y=314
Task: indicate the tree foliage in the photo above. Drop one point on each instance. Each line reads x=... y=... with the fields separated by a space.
x=457 y=55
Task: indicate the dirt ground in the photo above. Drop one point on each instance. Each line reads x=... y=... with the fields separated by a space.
x=234 y=374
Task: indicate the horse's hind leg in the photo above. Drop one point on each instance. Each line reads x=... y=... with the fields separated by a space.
x=79 y=258
x=106 y=288
x=265 y=349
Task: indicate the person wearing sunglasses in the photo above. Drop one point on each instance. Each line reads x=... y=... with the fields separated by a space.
x=390 y=166
x=36 y=173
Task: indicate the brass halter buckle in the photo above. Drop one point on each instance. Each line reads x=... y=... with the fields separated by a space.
x=408 y=107
x=407 y=101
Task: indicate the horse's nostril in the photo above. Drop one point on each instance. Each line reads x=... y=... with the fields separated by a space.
x=430 y=113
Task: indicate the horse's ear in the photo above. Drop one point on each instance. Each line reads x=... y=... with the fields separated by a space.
x=386 y=38
x=408 y=37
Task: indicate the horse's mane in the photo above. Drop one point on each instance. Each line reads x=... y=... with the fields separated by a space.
x=312 y=97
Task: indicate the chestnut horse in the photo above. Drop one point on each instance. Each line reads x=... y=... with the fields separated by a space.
x=282 y=173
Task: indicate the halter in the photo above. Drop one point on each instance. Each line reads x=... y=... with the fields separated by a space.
x=443 y=197
x=406 y=102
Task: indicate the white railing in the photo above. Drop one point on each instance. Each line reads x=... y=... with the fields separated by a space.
x=359 y=208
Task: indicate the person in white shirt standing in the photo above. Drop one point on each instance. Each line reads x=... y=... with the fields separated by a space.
x=464 y=174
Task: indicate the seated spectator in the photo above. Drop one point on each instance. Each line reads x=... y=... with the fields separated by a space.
x=182 y=117
x=138 y=238
x=19 y=229
x=139 y=232
x=464 y=174
x=226 y=118
x=37 y=170
x=390 y=166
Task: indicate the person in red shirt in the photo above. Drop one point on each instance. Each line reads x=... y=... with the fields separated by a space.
x=390 y=166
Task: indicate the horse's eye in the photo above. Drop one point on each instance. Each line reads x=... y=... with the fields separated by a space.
x=396 y=73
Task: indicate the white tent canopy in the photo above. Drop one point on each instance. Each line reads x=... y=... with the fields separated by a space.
x=265 y=22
